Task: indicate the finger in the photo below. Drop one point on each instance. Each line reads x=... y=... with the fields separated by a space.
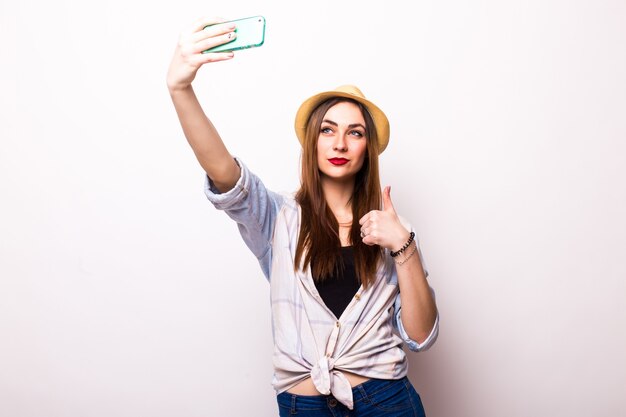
x=369 y=240
x=200 y=24
x=387 y=204
x=366 y=217
x=223 y=56
x=211 y=57
x=198 y=60
x=217 y=30
x=214 y=41
x=371 y=217
x=368 y=226
x=209 y=31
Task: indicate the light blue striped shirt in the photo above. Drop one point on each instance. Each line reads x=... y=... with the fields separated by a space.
x=309 y=341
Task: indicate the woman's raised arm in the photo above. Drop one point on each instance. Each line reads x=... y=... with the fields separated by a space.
x=204 y=139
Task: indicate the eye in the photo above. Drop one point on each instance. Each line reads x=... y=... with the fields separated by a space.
x=326 y=130
x=357 y=133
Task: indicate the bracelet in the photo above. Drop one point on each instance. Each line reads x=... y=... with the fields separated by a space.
x=403 y=248
x=406 y=258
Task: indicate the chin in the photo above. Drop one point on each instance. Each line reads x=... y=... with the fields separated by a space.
x=338 y=177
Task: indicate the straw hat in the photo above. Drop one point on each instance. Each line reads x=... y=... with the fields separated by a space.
x=381 y=123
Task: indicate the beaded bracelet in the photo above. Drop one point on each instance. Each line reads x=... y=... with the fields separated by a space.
x=403 y=248
x=407 y=257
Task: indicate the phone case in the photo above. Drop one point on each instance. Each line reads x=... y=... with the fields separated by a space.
x=250 y=34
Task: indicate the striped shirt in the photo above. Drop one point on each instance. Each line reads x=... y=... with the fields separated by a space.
x=309 y=341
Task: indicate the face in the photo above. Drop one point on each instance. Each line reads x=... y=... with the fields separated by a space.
x=342 y=142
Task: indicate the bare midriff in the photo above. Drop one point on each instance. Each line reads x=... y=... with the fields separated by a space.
x=307 y=387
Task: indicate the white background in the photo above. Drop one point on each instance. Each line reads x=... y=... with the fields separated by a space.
x=124 y=293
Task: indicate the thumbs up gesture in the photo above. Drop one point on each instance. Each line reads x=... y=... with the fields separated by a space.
x=383 y=227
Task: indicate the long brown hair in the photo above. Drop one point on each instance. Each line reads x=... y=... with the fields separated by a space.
x=318 y=240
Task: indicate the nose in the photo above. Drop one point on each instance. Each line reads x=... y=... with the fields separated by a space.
x=340 y=143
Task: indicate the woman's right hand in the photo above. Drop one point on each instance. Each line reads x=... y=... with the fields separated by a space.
x=188 y=56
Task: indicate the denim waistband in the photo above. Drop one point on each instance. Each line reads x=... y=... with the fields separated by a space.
x=359 y=393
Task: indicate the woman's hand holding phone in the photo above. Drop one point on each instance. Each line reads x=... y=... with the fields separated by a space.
x=188 y=56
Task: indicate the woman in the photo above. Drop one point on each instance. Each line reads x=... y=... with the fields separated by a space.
x=341 y=266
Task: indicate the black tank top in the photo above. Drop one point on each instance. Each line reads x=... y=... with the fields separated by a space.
x=338 y=289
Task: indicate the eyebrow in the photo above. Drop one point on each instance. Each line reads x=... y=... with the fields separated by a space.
x=349 y=126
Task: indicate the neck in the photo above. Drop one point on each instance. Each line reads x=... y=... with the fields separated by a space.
x=338 y=196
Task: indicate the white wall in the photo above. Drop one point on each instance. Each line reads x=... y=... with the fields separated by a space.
x=124 y=293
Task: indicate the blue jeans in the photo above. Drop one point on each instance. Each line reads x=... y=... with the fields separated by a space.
x=376 y=397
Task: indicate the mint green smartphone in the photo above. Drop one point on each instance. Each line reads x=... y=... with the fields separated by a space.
x=250 y=34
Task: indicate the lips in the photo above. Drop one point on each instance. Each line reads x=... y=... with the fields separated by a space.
x=338 y=161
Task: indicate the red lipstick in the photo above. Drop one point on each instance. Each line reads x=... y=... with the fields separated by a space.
x=338 y=161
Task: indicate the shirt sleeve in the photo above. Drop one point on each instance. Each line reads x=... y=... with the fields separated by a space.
x=254 y=208
x=412 y=344
x=432 y=337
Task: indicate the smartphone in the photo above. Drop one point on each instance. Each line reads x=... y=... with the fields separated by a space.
x=250 y=34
